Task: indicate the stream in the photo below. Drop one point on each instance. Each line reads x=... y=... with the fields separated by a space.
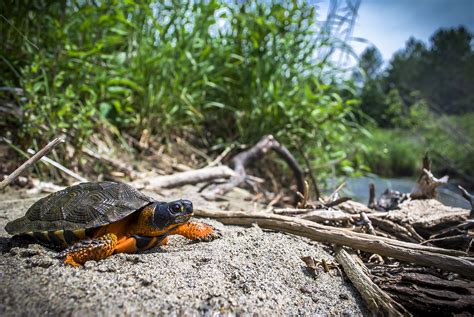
x=358 y=189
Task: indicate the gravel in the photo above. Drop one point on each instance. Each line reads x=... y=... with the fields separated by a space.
x=248 y=270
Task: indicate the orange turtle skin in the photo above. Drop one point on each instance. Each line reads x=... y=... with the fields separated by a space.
x=92 y=221
x=131 y=235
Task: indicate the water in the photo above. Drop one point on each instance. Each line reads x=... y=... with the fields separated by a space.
x=358 y=189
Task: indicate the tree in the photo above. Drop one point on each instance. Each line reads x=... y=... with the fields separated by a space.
x=443 y=73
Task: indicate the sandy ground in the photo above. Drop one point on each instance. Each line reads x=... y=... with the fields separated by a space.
x=248 y=270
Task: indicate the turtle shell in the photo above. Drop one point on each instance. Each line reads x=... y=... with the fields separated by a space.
x=83 y=206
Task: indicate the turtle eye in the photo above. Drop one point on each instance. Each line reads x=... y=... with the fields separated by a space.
x=175 y=208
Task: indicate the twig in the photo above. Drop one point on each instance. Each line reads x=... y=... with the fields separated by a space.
x=335 y=194
x=449 y=260
x=394 y=229
x=10 y=178
x=368 y=223
x=60 y=167
x=378 y=301
x=221 y=156
x=337 y=202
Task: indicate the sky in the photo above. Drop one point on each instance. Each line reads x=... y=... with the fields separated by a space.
x=389 y=23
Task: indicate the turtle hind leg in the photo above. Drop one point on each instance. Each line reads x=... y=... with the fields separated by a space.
x=90 y=249
x=198 y=231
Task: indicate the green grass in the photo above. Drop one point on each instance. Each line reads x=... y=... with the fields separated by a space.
x=449 y=140
x=215 y=71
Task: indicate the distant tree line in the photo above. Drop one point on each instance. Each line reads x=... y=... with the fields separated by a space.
x=438 y=76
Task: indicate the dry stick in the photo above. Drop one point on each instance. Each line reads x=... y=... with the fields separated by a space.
x=378 y=301
x=189 y=177
x=368 y=223
x=449 y=260
x=242 y=159
x=221 y=156
x=469 y=198
x=10 y=178
x=394 y=229
x=338 y=202
x=413 y=232
x=60 y=167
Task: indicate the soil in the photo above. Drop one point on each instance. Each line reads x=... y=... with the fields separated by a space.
x=248 y=270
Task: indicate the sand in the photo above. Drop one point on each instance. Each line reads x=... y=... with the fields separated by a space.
x=247 y=271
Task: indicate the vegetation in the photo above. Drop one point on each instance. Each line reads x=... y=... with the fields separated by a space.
x=214 y=71
x=423 y=101
x=218 y=72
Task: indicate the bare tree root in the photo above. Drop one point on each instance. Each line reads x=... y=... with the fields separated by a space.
x=241 y=160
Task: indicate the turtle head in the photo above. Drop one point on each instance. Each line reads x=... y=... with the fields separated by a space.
x=172 y=213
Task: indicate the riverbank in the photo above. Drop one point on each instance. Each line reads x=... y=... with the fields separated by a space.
x=249 y=270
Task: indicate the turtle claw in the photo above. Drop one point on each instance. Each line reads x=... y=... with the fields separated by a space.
x=215 y=234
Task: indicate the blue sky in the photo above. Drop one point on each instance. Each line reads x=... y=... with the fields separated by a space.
x=389 y=23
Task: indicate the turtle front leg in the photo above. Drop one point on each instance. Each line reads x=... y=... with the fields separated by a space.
x=198 y=231
x=90 y=249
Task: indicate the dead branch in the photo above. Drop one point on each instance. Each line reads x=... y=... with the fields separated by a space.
x=469 y=198
x=449 y=260
x=241 y=160
x=378 y=301
x=394 y=229
x=189 y=177
x=10 y=178
x=337 y=202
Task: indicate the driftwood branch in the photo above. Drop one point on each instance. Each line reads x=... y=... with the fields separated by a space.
x=241 y=160
x=449 y=260
x=183 y=178
x=10 y=178
x=427 y=183
x=378 y=301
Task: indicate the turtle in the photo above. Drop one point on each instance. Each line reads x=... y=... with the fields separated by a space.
x=93 y=220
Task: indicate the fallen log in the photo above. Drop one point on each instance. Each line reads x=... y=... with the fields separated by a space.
x=449 y=260
x=426 y=294
x=378 y=301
